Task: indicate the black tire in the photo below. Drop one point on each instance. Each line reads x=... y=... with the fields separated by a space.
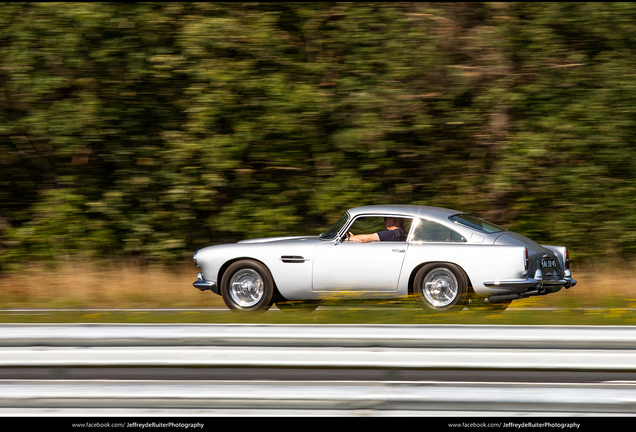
x=297 y=305
x=247 y=286
x=441 y=287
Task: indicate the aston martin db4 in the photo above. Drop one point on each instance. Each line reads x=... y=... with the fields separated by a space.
x=445 y=259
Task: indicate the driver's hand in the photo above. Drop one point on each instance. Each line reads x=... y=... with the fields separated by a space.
x=348 y=236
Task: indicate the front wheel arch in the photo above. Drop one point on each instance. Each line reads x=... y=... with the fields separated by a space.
x=227 y=264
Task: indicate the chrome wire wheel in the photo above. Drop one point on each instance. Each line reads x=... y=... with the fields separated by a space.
x=440 y=287
x=246 y=287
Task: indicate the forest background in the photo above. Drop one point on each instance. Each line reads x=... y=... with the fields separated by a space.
x=145 y=131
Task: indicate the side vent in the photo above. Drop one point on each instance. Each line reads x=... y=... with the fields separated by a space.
x=292 y=259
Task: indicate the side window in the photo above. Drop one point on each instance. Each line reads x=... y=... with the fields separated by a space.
x=367 y=225
x=427 y=231
x=373 y=224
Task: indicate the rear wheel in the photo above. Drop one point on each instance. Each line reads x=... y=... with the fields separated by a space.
x=247 y=286
x=440 y=287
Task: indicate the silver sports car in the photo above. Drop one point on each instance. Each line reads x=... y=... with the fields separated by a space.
x=446 y=259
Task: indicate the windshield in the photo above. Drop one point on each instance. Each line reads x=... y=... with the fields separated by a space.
x=333 y=231
x=476 y=223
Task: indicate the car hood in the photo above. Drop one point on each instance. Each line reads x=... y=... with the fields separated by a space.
x=278 y=239
x=510 y=238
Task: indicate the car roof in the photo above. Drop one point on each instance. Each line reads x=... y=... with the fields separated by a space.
x=405 y=210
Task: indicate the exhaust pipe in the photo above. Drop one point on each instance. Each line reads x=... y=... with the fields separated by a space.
x=502 y=298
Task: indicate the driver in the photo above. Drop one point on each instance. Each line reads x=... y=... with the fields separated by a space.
x=394 y=232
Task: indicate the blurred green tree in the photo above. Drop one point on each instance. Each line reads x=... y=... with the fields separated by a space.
x=153 y=129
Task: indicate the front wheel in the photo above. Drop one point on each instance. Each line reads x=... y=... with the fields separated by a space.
x=247 y=286
x=440 y=287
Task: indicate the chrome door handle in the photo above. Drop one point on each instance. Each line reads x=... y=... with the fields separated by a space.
x=398 y=250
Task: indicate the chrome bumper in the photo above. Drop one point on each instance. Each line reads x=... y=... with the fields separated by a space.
x=536 y=282
x=203 y=284
x=534 y=287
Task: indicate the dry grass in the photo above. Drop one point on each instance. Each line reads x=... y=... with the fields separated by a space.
x=127 y=285
x=121 y=285
x=607 y=284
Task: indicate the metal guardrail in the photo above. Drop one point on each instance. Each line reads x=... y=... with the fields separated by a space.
x=404 y=336
x=309 y=398
x=390 y=347
x=341 y=346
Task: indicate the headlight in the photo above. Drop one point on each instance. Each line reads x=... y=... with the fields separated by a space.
x=194 y=258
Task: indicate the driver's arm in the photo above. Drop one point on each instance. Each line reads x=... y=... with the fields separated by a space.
x=363 y=238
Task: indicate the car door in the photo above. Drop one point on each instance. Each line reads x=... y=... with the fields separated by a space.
x=351 y=266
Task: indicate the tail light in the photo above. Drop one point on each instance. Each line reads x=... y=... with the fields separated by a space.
x=567 y=259
x=527 y=259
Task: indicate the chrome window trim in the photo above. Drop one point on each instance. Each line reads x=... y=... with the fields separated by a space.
x=340 y=233
x=473 y=228
x=382 y=215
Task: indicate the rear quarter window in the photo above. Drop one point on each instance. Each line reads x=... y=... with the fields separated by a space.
x=427 y=231
x=476 y=223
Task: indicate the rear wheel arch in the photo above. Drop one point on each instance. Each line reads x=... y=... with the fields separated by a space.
x=419 y=266
x=441 y=286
